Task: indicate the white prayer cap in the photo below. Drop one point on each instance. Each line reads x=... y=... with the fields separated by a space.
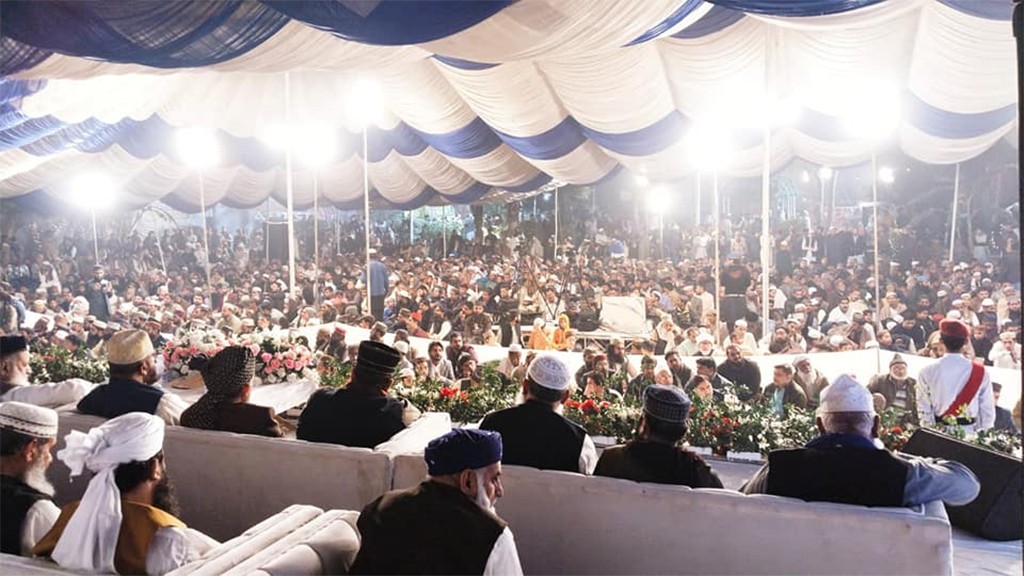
x=954 y=314
x=90 y=538
x=28 y=419
x=550 y=372
x=871 y=344
x=846 y=395
x=813 y=334
x=988 y=302
x=897 y=318
x=515 y=348
x=538 y=322
x=836 y=340
x=705 y=338
x=741 y=322
x=942 y=294
x=129 y=346
x=402 y=347
x=406 y=372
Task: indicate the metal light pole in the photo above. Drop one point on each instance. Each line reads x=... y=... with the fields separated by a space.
x=956 y=200
x=766 y=246
x=288 y=187
x=556 y=223
x=206 y=240
x=316 y=237
x=718 y=262
x=366 y=214
x=874 y=209
x=96 y=238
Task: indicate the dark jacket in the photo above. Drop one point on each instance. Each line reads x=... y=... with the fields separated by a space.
x=886 y=386
x=243 y=418
x=350 y=417
x=644 y=461
x=792 y=395
x=533 y=434
x=745 y=376
x=120 y=397
x=16 y=498
x=430 y=529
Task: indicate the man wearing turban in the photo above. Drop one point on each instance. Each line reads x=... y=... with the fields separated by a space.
x=225 y=406
x=126 y=521
x=457 y=503
x=954 y=388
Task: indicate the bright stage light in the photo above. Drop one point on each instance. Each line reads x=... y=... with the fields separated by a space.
x=783 y=112
x=875 y=115
x=825 y=173
x=93 y=190
x=709 y=148
x=365 y=103
x=315 y=145
x=642 y=181
x=886 y=175
x=805 y=177
x=659 y=199
x=198 y=147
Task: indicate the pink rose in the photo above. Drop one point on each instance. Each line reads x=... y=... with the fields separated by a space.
x=275 y=364
x=268 y=370
x=266 y=357
x=289 y=364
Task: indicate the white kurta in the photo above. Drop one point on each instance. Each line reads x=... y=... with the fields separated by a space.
x=504 y=558
x=170 y=407
x=172 y=548
x=939 y=383
x=38 y=521
x=50 y=395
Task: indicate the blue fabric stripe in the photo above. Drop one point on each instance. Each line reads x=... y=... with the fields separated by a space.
x=955 y=125
x=463 y=64
x=794 y=7
x=391 y=23
x=988 y=9
x=686 y=7
x=12 y=90
x=530 y=185
x=557 y=142
x=471 y=141
x=716 y=20
x=645 y=141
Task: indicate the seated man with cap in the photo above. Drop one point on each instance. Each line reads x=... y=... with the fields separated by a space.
x=655 y=455
x=127 y=520
x=511 y=361
x=14 y=379
x=456 y=502
x=535 y=433
x=360 y=414
x=225 y=406
x=27 y=511
x=898 y=389
x=845 y=465
x=132 y=375
x=954 y=389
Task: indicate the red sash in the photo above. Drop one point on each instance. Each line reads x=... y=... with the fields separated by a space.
x=968 y=392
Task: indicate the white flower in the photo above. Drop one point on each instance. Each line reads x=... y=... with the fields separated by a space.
x=292 y=377
x=184 y=369
x=256 y=381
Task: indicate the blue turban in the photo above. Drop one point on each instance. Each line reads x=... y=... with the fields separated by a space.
x=462 y=449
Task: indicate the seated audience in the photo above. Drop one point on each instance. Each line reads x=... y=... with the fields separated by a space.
x=127 y=520
x=225 y=406
x=808 y=379
x=783 y=392
x=655 y=456
x=28 y=433
x=132 y=375
x=845 y=465
x=14 y=379
x=1004 y=419
x=534 y=433
x=742 y=372
x=360 y=414
x=898 y=389
x=456 y=502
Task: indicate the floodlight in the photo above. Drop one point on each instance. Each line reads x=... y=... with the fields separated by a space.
x=315 y=145
x=642 y=181
x=825 y=173
x=277 y=135
x=805 y=177
x=92 y=190
x=658 y=199
x=709 y=148
x=198 y=147
x=782 y=112
x=365 y=104
x=875 y=116
x=886 y=175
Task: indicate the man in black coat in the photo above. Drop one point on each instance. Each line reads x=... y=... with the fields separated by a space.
x=533 y=433
x=360 y=414
x=744 y=374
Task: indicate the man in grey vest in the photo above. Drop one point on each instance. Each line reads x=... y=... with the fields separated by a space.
x=456 y=502
x=844 y=464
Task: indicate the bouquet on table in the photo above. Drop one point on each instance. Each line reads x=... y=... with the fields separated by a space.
x=181 y=350
x=54 y=363
x=281 y=357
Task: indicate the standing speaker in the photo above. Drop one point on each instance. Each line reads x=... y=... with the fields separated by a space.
x=996 y=512
x=277 y=236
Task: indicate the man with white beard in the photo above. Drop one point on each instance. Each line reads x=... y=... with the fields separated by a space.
x=14 y=379
x=27 y=511
x=809 y=379
x=456 y=501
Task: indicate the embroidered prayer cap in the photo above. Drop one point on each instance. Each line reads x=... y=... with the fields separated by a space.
x=953 y=327
x=846 y=395
x=12 y=345
x=402 y=347
x=229 y=370
x=376 y=361
x=28 y=419
x=128 y=347
x=666 y=403
x=897 y=359
x=462 y=449
x=90 y=537
x=550 y=372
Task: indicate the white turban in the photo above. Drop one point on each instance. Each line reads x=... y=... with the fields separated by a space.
x=90 y=538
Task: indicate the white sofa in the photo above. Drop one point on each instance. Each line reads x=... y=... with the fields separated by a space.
x=567 y=523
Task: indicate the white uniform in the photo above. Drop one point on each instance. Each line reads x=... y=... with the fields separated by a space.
x=939 y=383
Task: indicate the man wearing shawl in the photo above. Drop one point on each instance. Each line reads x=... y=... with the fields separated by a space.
x=225 y=406
x=456 y=501
x=126 y=521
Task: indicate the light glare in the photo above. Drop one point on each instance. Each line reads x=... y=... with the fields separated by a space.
x=709 y=148
x=886 y=175
x=198 y=147
x=92 y=190
x=365 y=103
x=825 y=173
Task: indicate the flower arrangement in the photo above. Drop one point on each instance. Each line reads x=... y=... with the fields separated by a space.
x=54 y=363
x=180 y=351
x=281 y=357
x=333 y=374
x=604 y=418
x=463 y=405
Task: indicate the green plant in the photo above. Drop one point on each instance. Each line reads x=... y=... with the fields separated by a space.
x=54 y=363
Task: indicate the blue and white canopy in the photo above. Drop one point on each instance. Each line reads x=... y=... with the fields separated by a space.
x=487 y=101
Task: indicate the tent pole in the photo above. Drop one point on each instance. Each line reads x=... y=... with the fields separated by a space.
x=316 y=237
x=556 y=223
x=206 y=240
x=444 y=230
x=766 y=238
x=718 y=258
x=96 y=238
x=366 y=216
x=956 y=200
x=412 y=229
x=288 y=188
x=698 y=198
x=874 y=210
x=835 y=180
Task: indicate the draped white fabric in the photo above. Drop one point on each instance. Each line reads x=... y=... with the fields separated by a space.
x=545 y=89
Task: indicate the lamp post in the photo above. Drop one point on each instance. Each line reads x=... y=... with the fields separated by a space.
x=365 y=107
x=956 y=200
x=198 y=149
x=316 y=146
x=824 y=175
x=93 y=191
x=711 y=149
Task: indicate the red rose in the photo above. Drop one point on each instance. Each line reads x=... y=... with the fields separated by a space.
x=896 y=430
x=463 y=396
x=590 y=407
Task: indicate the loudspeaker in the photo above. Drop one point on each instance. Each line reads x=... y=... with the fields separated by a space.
x=996 y=513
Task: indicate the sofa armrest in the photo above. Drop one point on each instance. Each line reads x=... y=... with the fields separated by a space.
x=415 y=438
x=332 y=538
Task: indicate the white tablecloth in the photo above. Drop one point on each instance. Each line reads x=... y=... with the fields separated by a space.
x=280 y=397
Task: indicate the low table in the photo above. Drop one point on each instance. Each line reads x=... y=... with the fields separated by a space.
x=281 y=397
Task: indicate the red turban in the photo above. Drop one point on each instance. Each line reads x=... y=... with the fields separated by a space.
x=955 y=328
